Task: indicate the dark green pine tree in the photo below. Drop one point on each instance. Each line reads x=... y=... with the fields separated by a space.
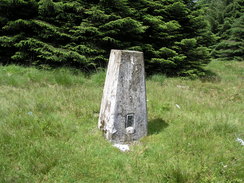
x=172 y=33
x=231 y=45
x=232 y=48
x=40 y=33
x=177 y=37
x=15 y=23
x=226 y=21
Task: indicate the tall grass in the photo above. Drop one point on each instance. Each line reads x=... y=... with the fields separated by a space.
x=48 y=128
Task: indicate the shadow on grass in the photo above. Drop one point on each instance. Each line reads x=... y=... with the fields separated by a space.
x=210 y=76
x=156 y=125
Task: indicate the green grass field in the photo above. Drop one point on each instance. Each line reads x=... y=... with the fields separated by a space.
x=48 y=129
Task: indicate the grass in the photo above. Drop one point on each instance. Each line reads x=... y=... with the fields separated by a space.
x=48 y=129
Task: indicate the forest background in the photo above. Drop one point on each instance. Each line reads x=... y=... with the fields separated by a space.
x=178 y=37
x=49 y=111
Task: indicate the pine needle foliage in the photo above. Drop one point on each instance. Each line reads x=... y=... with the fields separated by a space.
x=226 y=20
x=172 y=34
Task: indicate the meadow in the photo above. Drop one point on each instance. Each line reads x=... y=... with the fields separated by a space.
x=48 y=128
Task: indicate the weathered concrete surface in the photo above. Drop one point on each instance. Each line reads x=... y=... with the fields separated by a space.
x=123 y=113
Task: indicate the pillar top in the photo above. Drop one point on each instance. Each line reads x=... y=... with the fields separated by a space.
x=127 y=51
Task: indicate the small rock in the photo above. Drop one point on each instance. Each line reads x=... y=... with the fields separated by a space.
x=240 y=140
x=177 y=106
x=30 y=113
x=122 y=147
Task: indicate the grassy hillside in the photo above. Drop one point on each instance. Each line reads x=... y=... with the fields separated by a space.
x=48 y=129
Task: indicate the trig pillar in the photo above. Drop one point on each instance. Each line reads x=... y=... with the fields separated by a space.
x=123 y=112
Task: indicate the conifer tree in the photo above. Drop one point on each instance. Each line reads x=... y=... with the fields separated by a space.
x=226 y=20
x=232 y=48
x=172 y=34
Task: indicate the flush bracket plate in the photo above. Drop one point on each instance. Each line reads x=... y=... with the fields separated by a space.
x=130 y=120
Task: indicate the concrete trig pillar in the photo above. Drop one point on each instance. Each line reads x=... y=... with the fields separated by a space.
x=123 y=113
